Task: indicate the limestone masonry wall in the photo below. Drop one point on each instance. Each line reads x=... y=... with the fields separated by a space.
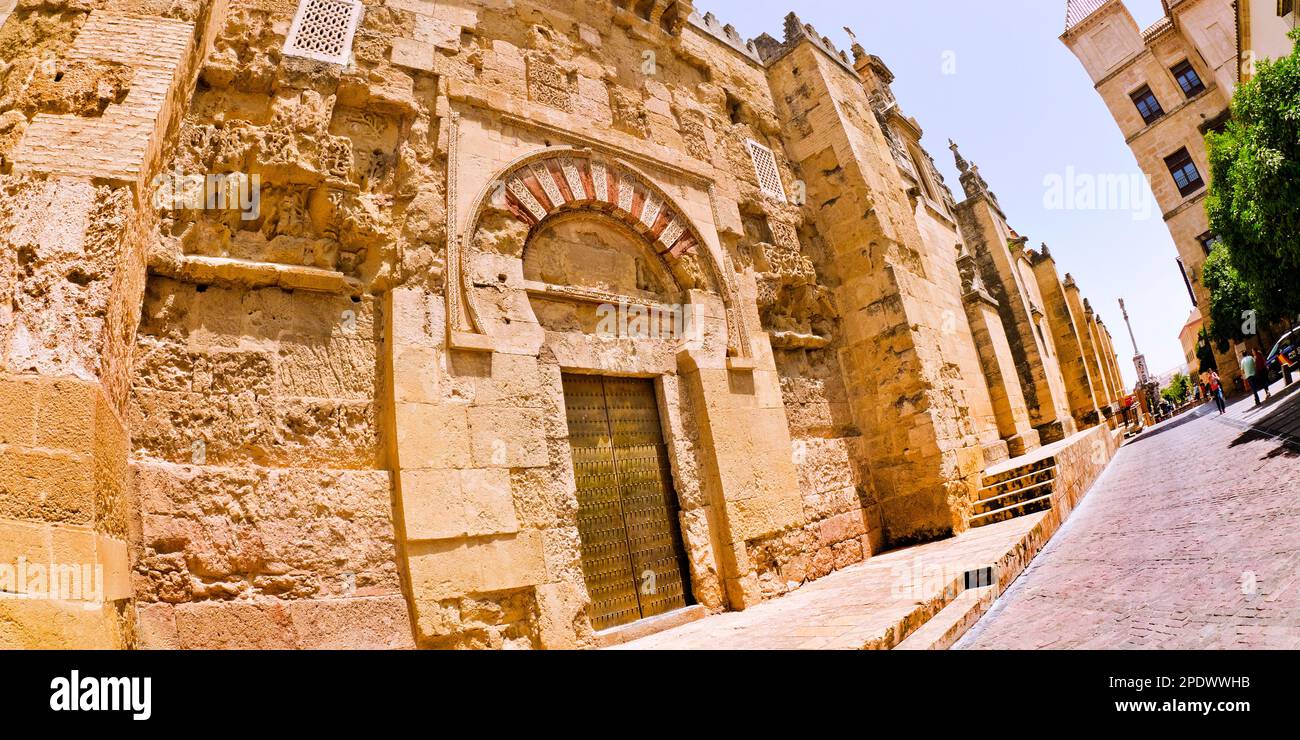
x=295 y=350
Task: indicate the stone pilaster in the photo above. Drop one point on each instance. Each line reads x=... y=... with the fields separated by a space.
x=925 y=464
x=1068 y=340
x=75 y=216
x=999 y=253
x=998 y=366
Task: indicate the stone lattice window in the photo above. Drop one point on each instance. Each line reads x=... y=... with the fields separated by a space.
x=323 y=30
x=769 y=177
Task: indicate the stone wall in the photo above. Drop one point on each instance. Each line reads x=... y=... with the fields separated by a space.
x=74 y=233
x=322 y=405
x=1067 y=340
x=259 y=474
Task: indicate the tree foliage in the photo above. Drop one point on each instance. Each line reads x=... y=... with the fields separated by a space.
x=1231 y=301
x=1254 y=197
x=1180 y=388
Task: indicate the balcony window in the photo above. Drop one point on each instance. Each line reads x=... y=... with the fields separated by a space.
x=1147 y=105
x=1186 y=176
x=1188 y=79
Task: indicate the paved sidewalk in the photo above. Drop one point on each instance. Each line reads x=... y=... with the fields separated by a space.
x=1190 y=540
x=861 y=606
x=1278 y=418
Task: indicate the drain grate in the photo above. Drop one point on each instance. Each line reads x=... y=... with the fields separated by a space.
x=979 y=578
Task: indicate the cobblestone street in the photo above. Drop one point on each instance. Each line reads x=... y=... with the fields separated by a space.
x=1190 y=540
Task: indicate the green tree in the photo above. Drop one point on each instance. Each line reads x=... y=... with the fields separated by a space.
x=1233 y=317
x=1180 y=387
x=1254 y=196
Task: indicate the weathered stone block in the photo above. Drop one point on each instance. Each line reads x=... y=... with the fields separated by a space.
x=376 y=623
x=225 y=625
x=454 y=504
x=18 y=414
x=507 y=437
x=444 y=570
x=430 y=436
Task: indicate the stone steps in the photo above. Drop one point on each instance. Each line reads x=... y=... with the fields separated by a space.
x=1045 y=475
x=1031 y=506
x=1019 y=471
x=1013 y=497
x=947 y=627
x=1022 y=490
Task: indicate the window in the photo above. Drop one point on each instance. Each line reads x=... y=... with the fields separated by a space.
x=1285 y=7
x=1188 y=79
x=769 y=178
x=1147 y=105
x=323 y=30
x=922 y=173
x=1186 y=176
x=1209 y=240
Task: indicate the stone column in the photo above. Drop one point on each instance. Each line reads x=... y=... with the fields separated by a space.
x=1113 y=359
x=1000 y=372
x=1109 y=363
x=925 y=466
x=1091 y=358
x=1104 y=357
x=748 y=469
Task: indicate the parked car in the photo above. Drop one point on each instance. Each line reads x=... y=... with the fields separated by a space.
x=1288 y=344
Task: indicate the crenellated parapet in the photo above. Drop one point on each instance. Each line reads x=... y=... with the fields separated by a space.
x=796 y=31
x=727 y=34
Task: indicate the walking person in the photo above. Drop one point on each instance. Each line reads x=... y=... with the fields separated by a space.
x=1250 y=373
x=1261 y=372
x=1216 y=390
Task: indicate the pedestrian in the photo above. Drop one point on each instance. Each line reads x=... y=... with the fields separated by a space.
x=1249 y=373
x=1216 y=391
x=1261 y=372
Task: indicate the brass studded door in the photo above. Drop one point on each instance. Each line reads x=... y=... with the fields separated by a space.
x=632 y=555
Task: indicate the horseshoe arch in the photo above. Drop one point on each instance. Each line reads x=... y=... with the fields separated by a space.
x=563 y=179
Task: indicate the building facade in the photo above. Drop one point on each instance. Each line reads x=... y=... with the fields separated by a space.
x=1263 y=32
x=467 y=324
x=1166 y=86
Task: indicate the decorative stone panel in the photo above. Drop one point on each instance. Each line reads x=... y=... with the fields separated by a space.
x=323 y=30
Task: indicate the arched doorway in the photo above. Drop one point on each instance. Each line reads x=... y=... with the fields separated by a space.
x=591 y=270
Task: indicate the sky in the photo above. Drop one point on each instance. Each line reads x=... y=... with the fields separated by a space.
x=995 y=77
